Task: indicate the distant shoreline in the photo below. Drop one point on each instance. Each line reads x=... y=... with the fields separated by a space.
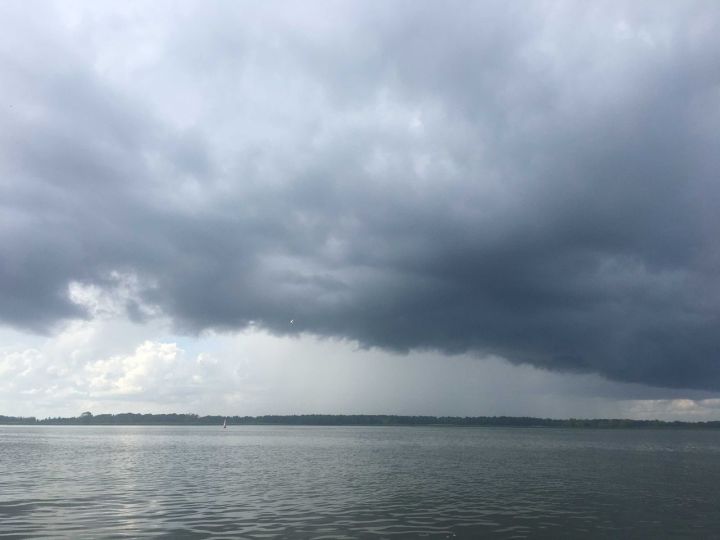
x=133 y=419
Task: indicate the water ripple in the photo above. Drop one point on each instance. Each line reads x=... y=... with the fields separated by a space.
x=275 y=482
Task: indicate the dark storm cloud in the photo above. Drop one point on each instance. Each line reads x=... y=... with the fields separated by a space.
x=536 y=180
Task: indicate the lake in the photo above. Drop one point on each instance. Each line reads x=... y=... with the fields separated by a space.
x=357 y=482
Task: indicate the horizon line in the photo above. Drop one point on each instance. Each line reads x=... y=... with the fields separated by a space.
x=336 y=419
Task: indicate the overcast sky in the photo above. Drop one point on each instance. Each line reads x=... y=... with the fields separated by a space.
x=464 y=207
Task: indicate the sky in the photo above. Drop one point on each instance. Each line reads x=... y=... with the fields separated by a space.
x=464 y=208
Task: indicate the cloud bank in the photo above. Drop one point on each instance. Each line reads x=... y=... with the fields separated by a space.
x=536 y=181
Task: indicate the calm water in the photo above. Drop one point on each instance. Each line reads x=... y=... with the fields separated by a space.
x=264 y=482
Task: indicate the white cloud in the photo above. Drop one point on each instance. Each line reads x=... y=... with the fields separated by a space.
x=148 y=369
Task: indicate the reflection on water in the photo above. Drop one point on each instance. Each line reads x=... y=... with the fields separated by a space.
x=333 y=482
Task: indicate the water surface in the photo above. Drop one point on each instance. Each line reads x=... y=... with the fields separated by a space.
x=338 y=482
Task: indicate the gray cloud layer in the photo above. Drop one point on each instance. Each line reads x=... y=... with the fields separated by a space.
x=534 y=180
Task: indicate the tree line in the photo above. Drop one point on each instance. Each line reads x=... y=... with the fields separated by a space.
x=133 y=419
